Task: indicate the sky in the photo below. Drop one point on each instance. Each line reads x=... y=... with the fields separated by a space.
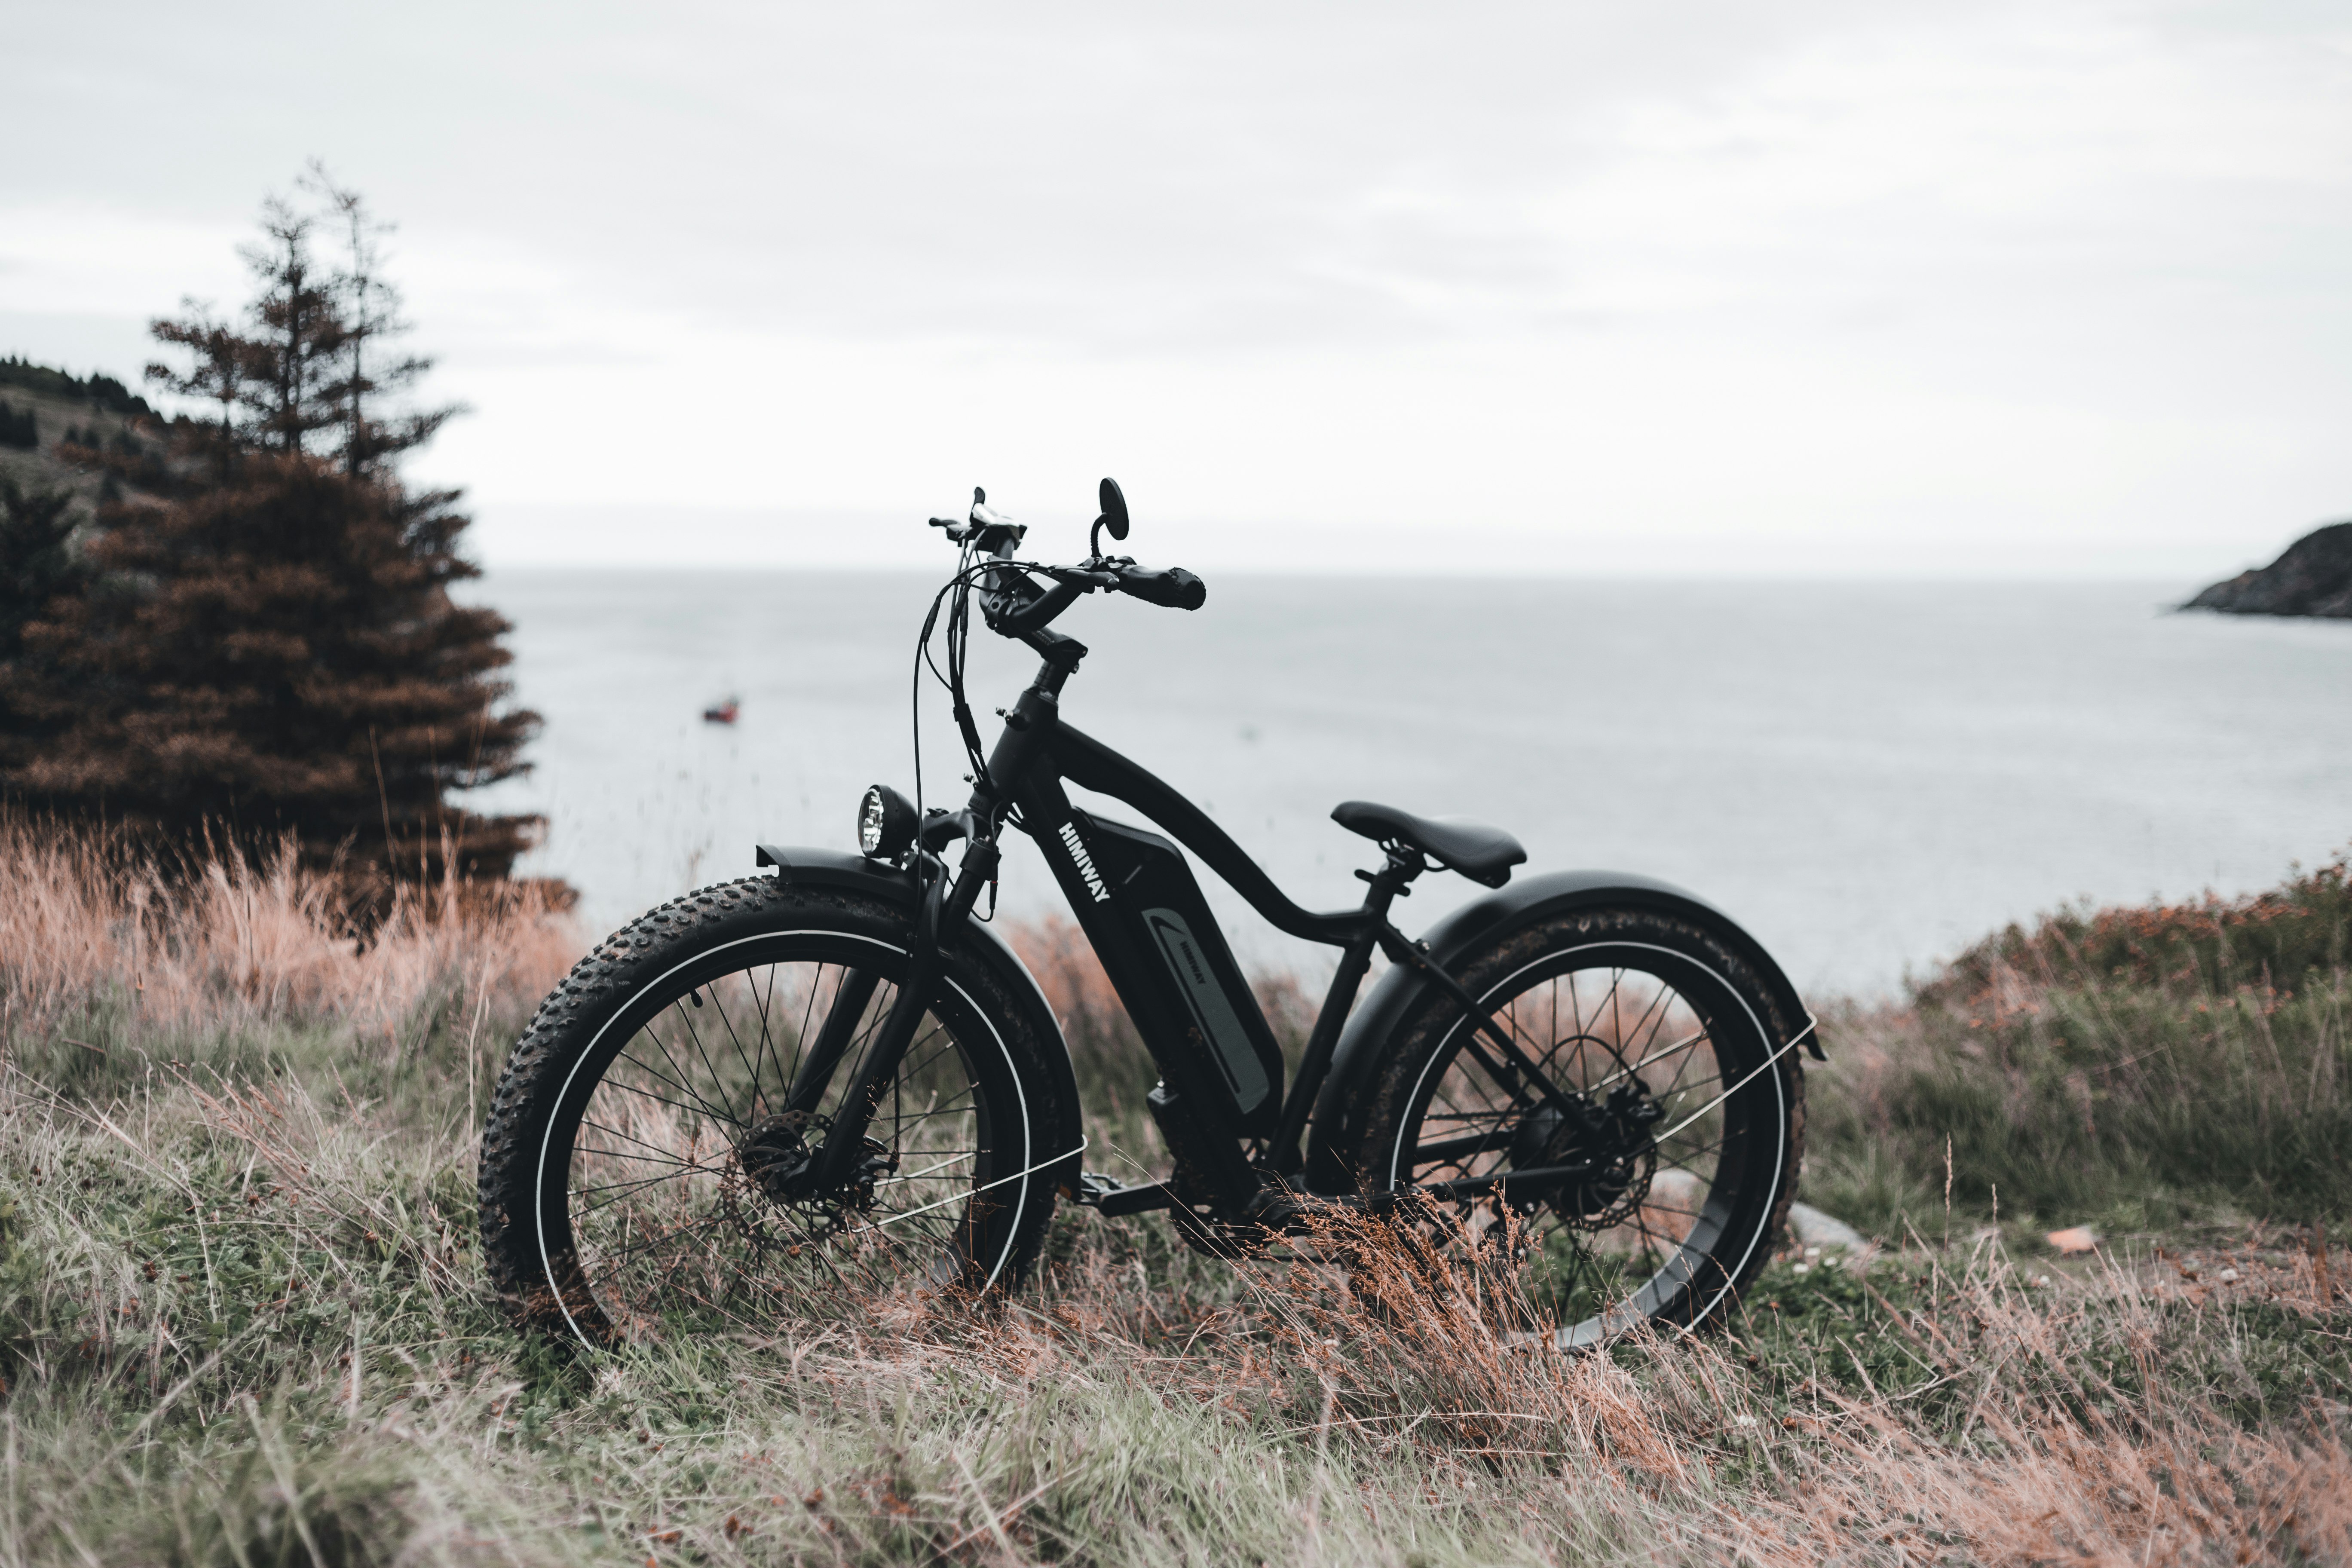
x=1811 y=288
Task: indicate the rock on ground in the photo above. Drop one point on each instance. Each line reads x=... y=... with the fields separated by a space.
x=1810 y=1227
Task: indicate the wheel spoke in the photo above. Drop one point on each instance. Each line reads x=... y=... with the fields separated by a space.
x=668 y=1226
x=1675 y=1087
x=718 y=1003
x=1597 y=1255
x=661 y=1044
x=694 y=1035
x=1687 y=1040
x=697 y=1110
x=622 y=1188
x=659 y=1156
x=808 y=1012
x=1625 y=1045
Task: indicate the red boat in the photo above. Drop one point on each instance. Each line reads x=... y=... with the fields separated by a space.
x=721 y=712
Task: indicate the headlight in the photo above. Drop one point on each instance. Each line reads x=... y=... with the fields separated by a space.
x=886 y=824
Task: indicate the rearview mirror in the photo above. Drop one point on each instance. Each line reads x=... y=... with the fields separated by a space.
x=1113 y=520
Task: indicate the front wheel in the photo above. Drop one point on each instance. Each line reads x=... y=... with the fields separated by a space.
x=1639 y=1170
x=648 y=1167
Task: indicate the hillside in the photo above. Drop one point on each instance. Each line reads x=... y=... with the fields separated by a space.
x=2313 y=578
x=42 y=409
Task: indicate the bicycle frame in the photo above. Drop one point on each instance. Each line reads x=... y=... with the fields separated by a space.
x=1639 y=1172
x=1198 y=1108
x=1200 y=1104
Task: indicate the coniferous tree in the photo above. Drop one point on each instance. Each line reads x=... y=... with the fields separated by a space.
x=271 y=645
x=216 y=372
x=38 y=567
x=300 y=339
x=37 y=563
x=372 y=373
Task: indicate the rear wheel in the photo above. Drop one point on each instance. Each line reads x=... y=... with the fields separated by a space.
x=1645 y=1170
x=647 y=1168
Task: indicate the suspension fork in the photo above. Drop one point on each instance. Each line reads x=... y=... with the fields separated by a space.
x=944 y=909
x=849 y=1001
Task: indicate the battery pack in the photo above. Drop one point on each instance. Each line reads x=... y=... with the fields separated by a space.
x=1146 y=880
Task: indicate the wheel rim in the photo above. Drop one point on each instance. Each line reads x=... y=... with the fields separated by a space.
x=659 y=1191
x=1613 y=1019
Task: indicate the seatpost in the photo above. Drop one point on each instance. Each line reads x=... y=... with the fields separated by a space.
x=1386 y=885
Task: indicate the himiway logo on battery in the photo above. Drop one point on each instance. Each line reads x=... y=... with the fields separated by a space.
x=1086 y=862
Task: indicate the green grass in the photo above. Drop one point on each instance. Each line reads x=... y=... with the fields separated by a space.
x=2144 y=1070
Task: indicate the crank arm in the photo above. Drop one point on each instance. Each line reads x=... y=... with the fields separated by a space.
x=1095 y=1191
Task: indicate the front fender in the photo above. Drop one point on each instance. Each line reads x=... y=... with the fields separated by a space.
x=799 y=864
x=1496 y=916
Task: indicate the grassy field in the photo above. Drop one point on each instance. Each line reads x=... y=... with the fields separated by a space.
x=242 y=1316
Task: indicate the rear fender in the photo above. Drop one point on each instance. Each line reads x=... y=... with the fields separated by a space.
x=798 y=865
x=1482 y=921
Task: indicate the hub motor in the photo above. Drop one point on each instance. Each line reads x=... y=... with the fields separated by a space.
x=775 y=1154
x=1610 y=1138
x=778 y=1152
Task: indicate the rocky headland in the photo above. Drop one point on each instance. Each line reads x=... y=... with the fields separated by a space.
x=2313 y=578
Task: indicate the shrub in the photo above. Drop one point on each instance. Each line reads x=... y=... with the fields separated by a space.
x=2146 y=1064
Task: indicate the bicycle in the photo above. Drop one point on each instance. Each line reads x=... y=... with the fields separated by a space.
x=834 y=1074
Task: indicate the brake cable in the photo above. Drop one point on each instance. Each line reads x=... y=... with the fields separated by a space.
x=923 y=658
x=955 y=595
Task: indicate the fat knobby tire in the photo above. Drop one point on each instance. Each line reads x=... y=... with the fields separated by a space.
x=602 y=985
x=1760 y=1208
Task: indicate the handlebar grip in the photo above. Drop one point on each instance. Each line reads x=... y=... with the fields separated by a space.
x=1174 y=587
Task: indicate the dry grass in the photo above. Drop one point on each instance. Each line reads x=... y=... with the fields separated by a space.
x=101 y=947
x=242 y=1321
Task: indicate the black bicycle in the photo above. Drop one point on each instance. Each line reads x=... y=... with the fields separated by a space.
x=834 y=1075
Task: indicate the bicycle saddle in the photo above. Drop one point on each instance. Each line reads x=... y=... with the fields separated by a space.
x=1481 y=853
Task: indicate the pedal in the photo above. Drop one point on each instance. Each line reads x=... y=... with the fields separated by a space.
x=1096 y=1190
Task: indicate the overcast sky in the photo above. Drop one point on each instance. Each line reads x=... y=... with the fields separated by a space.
x=1964 y=289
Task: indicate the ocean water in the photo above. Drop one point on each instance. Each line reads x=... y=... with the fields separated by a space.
x=1869 y=777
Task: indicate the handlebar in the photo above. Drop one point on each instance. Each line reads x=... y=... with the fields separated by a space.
x=1015 y=607
x=1172 y=587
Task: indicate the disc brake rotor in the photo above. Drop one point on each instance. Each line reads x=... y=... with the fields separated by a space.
x=777 y=1158
x=1610 y=1138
